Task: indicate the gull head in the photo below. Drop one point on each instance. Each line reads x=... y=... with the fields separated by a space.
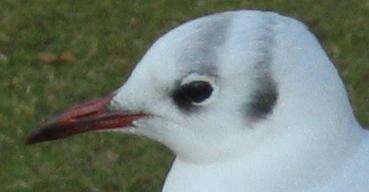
x=223 y=86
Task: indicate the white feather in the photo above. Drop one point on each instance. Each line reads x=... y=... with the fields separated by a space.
x=311 y=142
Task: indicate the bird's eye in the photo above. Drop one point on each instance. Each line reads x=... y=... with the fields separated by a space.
x=192 y=93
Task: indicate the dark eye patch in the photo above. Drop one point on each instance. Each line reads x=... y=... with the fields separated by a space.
x=191 y=93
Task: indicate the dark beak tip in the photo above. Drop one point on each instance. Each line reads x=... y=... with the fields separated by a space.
x=29 y=141
x=33 y=138
x=40 y=135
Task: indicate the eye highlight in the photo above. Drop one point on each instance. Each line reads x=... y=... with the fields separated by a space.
x=192 y=93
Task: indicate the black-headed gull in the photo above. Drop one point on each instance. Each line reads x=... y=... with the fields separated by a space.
x=247 y=100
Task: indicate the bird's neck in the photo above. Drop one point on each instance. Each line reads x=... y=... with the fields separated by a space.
x=300 y=163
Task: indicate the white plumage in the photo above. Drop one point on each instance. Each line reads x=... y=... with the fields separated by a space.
x=247 y=100
x=311 y=140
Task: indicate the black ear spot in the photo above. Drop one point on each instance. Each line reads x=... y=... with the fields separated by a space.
x=263 y=100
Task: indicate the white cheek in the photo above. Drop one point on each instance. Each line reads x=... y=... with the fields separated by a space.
x=154 y=128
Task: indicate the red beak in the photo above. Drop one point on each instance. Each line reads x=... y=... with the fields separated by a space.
x=90 y=116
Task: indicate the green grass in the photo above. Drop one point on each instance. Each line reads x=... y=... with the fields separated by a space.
x=107 y=39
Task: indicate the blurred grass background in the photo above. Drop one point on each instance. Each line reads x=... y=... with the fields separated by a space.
x=57 y=53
